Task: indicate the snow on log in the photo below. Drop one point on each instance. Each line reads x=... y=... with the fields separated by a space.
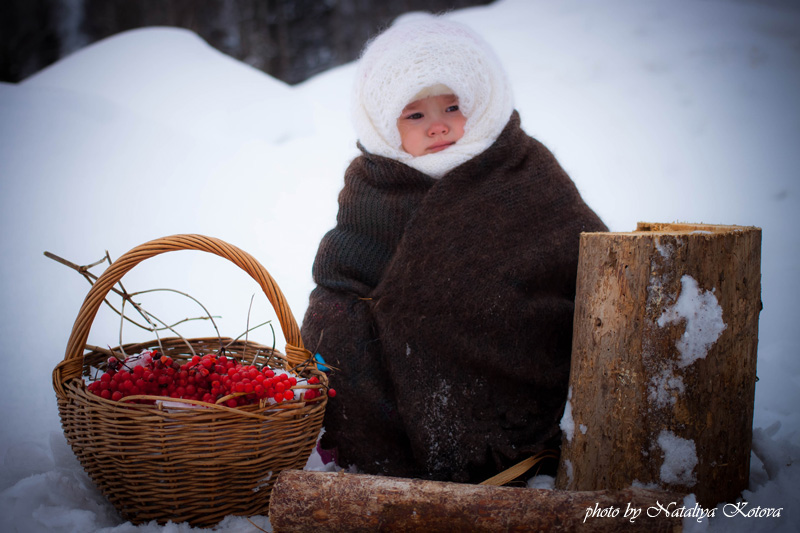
x=338 y=502
x=663 y=371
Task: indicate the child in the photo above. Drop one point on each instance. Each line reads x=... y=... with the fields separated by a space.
x=445 y=292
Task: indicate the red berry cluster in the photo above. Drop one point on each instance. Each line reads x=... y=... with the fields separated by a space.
x=210 y=378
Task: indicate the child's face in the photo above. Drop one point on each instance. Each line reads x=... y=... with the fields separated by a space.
x=431 y=125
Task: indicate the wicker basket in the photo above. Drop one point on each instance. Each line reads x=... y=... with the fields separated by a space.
x=186 y=464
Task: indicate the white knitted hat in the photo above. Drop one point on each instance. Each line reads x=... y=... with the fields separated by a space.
x=426 y=55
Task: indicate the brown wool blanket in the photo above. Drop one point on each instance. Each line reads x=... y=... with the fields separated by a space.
x=446 y=307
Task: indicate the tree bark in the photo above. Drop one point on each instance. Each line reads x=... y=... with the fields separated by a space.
x=337 y=502
x=663 y=372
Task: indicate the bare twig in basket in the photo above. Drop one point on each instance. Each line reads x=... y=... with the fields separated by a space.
x=308 y=362
x=258 y=351
x=300 y=367
x=255 y=355
x=271 y=356
x=153 y=326
x=273 y=337
x=82 y=269
x=155 y=329
x=144 y=314
x=272 y=353
x=268 y=322
x=319 y=341
x=208 y=316
x=312 y=360
x=91 y=278
x=106 y=351
x=153 y=323
x=151 y=320
x=181 y=321
x=247 y=328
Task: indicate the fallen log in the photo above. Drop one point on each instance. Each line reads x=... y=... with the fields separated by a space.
x=304 y=501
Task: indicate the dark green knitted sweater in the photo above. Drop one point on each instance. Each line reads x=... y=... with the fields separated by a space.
x=446 y=306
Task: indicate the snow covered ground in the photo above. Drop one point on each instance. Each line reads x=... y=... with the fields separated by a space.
x=661 y=111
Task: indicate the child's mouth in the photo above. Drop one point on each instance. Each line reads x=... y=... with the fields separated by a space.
x=438 y=147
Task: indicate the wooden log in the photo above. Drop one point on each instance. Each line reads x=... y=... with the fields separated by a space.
x=304 y=501
x=663 y=372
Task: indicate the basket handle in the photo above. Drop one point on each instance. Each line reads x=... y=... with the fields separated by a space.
x=73 y=359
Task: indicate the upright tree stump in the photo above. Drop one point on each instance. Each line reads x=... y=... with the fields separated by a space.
x=663 y=370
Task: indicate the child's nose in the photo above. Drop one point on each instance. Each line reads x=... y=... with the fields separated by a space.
x=438 y=128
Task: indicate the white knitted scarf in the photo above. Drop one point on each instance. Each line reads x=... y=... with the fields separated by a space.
x=418 y=55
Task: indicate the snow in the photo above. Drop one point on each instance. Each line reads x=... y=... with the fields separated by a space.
x=703 y=316
x=567 y=423
x=660 y=111
x=541 y=482
x=693 y=524
x=570 y=470
x=664 y=387
x=680 y=459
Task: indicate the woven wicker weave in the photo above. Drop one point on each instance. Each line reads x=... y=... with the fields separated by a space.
x=186 y=464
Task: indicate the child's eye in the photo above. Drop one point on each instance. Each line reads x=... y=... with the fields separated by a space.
x=452 y=108
x=414 y=116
